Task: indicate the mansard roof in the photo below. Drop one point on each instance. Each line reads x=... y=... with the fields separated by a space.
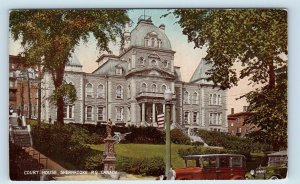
x=73 y=61
x=109 y=67
x=145 y=28
x=200 y=72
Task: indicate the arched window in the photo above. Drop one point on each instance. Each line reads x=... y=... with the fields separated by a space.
x=163 y=88
x=186 y=98
x=89 y=90
x=152 y=42
x=119 y=92
x=100 y=91
x=153 y=87
x=141 y=60
x=153 y=62
x=165 y=64
x=159 y=43
x=146 y=42
x=195 y=98
x=144 y=87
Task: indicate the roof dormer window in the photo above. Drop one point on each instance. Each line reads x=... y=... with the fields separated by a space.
x=119 y=71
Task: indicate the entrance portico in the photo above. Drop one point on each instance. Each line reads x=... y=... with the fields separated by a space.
x=151 y=105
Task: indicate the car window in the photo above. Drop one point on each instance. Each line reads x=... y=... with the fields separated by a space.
x=237 y=161
x=193 y=163
x=209 y=162
x=224 y=161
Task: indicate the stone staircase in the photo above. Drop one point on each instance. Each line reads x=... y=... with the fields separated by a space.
x=192 y=135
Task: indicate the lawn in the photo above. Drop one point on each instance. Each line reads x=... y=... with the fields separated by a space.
x=146 y=150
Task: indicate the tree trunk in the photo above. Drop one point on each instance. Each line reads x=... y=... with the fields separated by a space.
x=59 y=72
x=39 y=101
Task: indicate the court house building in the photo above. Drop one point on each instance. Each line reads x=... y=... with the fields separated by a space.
x=129 y=88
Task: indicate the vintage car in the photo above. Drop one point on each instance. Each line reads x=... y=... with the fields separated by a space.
x=212 y=167
x=276 y=168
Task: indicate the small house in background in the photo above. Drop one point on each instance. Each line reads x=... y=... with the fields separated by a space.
x=236 y=124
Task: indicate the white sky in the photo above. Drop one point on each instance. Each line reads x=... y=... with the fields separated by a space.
x=185 y=57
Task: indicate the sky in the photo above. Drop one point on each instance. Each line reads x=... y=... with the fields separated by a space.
x=186 y=57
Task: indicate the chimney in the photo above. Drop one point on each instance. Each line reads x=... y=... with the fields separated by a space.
x=162 y=27
x=232 y=110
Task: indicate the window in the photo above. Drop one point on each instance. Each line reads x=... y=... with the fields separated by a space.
x=119 y=71
x=195 y=117
x=186 y=117
x=215 y=118
x=144 y=87
x=141 y=61
x=232 y=124
x=219 y=100
x=89 y=113
x=215 y=99
x=153 y=62
x=89 y=90
x=224 y=162
x=195 y=98
x=165 y=64
x=163 y=88
x=100 y=91
x=159 y=43
x=129 y=64
x=119 y=92
x=153 y=88
x=100 y=113
x=209 y=162
x=239 y=130
x=186 y=98
x=119 y=114
x=146 y=42
x=245 y=108
x=236 y=161
x=129 y=91
x=152 y=42
x=128 y=114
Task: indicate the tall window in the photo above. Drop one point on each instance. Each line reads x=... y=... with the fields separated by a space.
x=100 y=91
x=100 y=114
x=152 y=42
x=195 y=117
x=153 y=62
x=159 y=43
x=119 y=113
x=163 y=88
x=215 y=99
x=128 y=114
x=219 y=100
x=144 y=87
x=186 y=98
x=119 y=92
x=215 y=118
x=89 y=113
x=119 y=71
x=195 y=98
x=153 y=88
x=165 y=64
x=186 y=117
x=146 y=42
x=89 y=90
x=141 y=61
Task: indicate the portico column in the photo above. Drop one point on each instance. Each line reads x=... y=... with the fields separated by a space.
x=164 y=108
x=153 y=114
x=143 y=112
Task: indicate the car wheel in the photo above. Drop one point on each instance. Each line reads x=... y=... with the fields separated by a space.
x=274 y=178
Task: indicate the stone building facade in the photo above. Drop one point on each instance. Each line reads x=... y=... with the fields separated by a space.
x=129 y=88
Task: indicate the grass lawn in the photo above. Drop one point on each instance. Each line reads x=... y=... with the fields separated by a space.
x=146 y=150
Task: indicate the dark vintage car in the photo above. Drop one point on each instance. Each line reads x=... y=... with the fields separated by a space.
x=212 y=167
x=276 y=168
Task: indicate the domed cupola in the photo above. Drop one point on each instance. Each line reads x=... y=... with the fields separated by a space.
x=146 y=34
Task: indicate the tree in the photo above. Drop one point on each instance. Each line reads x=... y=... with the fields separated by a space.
x=257 y=38
x=54 y=34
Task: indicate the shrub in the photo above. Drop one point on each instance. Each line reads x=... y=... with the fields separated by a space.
x=153 y=166
x=196 y=150
x=178 y=137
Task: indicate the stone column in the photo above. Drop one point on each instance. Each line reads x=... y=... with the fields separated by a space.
x=143 y=113
x=164 y=108
x=153 y=114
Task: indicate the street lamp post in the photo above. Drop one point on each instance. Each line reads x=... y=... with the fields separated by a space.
x=168 y=97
